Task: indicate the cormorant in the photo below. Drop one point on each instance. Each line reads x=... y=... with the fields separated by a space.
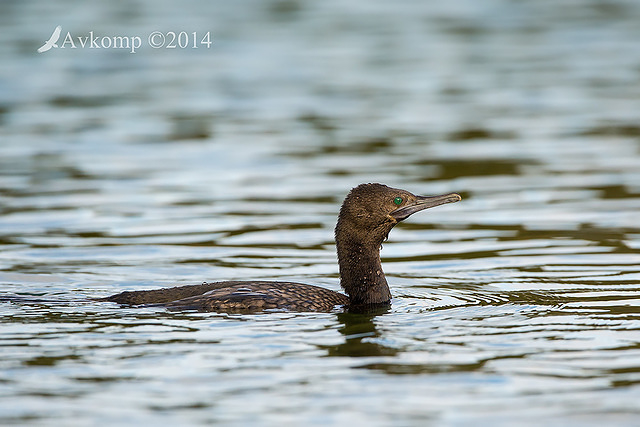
x=367 y=215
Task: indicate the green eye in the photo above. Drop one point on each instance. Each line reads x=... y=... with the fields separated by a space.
x=397 y=201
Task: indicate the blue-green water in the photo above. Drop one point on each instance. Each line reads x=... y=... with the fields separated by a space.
x=519 y=305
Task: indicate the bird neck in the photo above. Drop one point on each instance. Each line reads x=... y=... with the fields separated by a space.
x=361 y=274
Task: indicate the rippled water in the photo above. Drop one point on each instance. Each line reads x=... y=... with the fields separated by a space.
x=517 y=306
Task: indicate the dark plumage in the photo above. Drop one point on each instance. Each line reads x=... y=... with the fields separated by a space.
x=367 y=215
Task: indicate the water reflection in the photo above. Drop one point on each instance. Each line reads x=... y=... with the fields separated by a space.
x=361 y=336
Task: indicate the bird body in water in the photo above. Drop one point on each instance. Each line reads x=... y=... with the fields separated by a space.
x=367 y=215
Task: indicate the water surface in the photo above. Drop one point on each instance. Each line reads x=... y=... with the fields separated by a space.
x=517 y=306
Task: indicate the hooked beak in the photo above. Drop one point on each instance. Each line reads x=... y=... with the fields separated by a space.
x=424 y=202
